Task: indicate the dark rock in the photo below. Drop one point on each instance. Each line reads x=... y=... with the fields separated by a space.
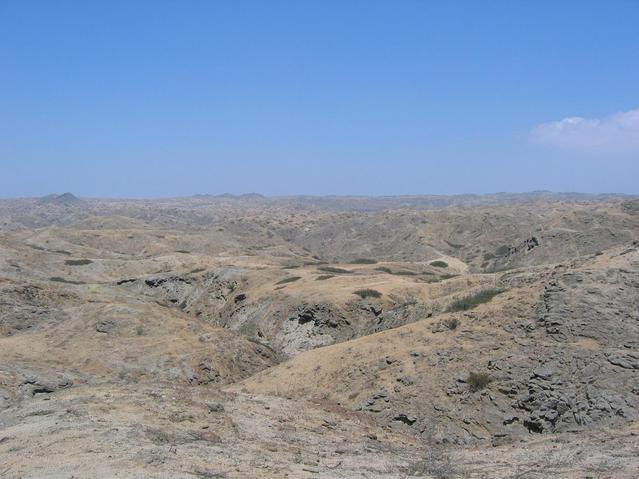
x=104 y=326
x=626 y=361
x=406 y=380
x=533 y=424
x=215 y=407
x=405 y=418
x=509 y=419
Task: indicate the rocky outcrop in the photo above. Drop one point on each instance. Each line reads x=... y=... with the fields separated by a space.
x=591 y=376
x=27 y=307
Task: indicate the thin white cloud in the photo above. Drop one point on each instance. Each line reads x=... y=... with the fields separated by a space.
x=614 y=134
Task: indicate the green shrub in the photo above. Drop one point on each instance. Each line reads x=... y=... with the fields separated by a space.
x=183 y=251
x=332 y=269
x=78 y=262
x=478 y=381
x=405 y=273
x=289 y=279
x=439 y=264
x=474 y=300
x=364 y=261
x=324 y=277
x=368 y=293
x=384 y=269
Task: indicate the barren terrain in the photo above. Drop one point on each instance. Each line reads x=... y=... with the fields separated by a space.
x=470 y=336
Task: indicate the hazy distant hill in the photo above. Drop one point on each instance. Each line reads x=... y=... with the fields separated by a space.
x=63 y=199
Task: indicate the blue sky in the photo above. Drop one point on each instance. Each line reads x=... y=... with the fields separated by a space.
x=145 y=99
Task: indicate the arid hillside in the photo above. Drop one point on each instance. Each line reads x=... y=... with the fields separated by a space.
x=472 y=336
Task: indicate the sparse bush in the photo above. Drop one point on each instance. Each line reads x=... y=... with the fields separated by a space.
x=498 y=268
x=454 y=245
x=451 y=323
x=324 y=277
x=231 y=286
x=385 y=269
x=332 y=269
x=159 y=437
x=248 y=329
x=368 y=293
x=364 y=261
x=57 y=279
x=183 y=251
x=439 y=264
x=289 y=279
x=447 y=276
x=437 y=464
x=474 y=300
x=478 y=381
x=314 y=263
x=78 y=262
x=292 y=266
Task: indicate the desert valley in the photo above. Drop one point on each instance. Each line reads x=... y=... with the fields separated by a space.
x=333 y=337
